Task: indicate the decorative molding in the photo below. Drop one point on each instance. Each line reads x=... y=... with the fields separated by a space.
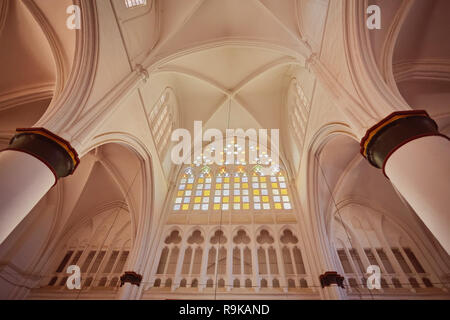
x=422 y=69
x=121 y=182
x=18 y=278
x=357 y=115
x=54 y=43
x=176 y=29
x=423 y=245
x=375 y=95
x=311 y=61
x=314 y=217
x=66 y=108
x=390 y=41
x=144 y=220
x=86 y=125
x=284 y=61
x=156 y=60
x=28 y=95
x=124 y=15
x=4 y=8
x=116 y=204
x=305 y=38
x=68 y=231
x=300 y=28
x=142 y=72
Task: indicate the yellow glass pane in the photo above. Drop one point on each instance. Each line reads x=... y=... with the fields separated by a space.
x=180 y=193
x=206 y=192
x=201 y=180
x=265 y=199
x=217 y=206
x=256 y=192
x=246 y=206
x=226 y=199
x=198 y=199
x=185 y=207
x=284 y=191
x=237 y=199
x=263 y=179
x=189 y=187
x=218 y=186
x=245 y=186
x=237 y=179
x=274 y=185
x=277 y=205
x=226 y=180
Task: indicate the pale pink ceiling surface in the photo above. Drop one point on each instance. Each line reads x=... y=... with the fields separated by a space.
x=205 y=21
x=25 y=56
x=23 y=116
x=425 y=33
x=102 y=183
x=207 y=81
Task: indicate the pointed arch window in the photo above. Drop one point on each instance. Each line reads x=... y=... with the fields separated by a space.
x=300 y=108
x=217 y=254
x=398 y=261
x=162 y=120
x=135 y=3
x=193 y=254
x=169 y=254
x=242 y=261
x=292 y=256
x=100 y=259
x=234 y=188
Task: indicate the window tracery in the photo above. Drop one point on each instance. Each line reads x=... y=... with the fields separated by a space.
x=254 y=264
x=300 y=109
x=101 y=255
x=389 y=249
x=162 y=120
x=233 y=188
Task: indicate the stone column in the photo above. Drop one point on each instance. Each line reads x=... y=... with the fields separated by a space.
x=29 y=167
x=415 y=157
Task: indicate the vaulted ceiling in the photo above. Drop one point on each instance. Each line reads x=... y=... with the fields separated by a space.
x=421 y=59
x=35 y=59
x=26 y=65
x=413 y=44
x=229 y=62
x=229 y=86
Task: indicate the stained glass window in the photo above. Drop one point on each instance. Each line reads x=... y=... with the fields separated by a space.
x=234 y=188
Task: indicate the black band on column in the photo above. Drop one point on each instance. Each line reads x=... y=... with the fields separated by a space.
x=47 y=147
x=331 y=277
x=393 y=131
x=131 y=277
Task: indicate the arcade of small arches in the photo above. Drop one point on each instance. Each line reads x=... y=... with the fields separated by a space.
x=231 y=259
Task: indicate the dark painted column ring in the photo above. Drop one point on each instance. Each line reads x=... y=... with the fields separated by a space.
x=394 y=131
x=49 y=148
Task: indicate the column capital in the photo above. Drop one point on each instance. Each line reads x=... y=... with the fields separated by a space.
x=392 y=132
x=131 y=277
x=55 y=152
x=331 y=277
